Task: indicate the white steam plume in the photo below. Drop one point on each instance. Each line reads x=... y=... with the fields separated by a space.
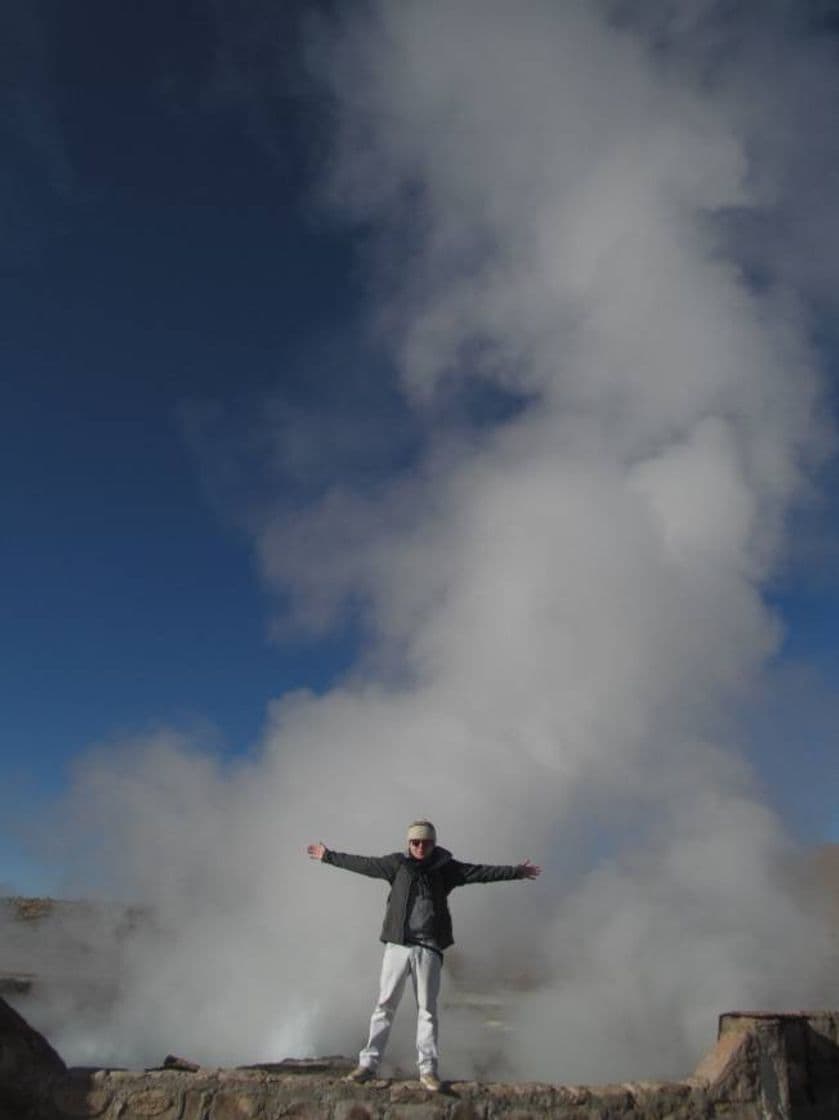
x=562 y=605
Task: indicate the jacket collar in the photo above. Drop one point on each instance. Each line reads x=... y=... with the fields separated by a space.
x=439 y=856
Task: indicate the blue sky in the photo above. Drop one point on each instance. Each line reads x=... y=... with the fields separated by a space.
x=168 y=276
x=160 y=262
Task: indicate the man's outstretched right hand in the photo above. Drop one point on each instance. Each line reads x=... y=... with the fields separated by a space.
x=316 y=851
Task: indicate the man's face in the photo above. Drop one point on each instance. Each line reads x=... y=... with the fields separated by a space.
x=419 y=849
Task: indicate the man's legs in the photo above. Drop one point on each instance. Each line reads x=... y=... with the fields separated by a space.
x=396 y=964
x=425 y=976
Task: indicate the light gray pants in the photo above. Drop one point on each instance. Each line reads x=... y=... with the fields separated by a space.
x=423 y=966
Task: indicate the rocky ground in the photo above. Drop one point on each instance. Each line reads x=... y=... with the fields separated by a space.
x=763 y=1067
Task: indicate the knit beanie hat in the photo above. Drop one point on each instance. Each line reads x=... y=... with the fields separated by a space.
x=422 y=830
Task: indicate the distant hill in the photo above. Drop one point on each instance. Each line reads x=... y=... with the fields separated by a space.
x=826 y=860
x=73 y=947
x=826 y=880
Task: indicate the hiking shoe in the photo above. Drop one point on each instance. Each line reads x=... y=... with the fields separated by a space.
x=431 y=1082
x=361 y=1074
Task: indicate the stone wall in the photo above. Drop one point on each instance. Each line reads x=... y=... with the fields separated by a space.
x=763 y=1067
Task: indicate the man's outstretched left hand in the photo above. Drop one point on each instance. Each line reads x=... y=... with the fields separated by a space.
x=529 y=870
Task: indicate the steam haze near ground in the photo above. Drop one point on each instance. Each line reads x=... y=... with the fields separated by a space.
x=581 y=223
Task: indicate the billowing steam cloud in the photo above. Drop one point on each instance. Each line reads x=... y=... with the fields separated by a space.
x=583 y=215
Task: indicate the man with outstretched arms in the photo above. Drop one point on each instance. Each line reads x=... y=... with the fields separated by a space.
x=416 y=930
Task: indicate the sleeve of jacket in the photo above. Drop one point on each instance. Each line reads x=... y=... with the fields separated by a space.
x=463 y=873
x=377 y=867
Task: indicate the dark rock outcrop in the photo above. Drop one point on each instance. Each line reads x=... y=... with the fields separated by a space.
x=29 y=1068
x=764 y=1067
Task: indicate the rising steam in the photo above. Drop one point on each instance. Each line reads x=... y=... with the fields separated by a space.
x=562 y=602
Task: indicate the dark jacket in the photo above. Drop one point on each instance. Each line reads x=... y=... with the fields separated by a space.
x=443 y=872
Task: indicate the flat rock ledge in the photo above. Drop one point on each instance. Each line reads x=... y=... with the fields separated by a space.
x=764 y=1066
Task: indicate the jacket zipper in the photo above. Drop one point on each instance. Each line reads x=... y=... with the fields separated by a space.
x=407 y=910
